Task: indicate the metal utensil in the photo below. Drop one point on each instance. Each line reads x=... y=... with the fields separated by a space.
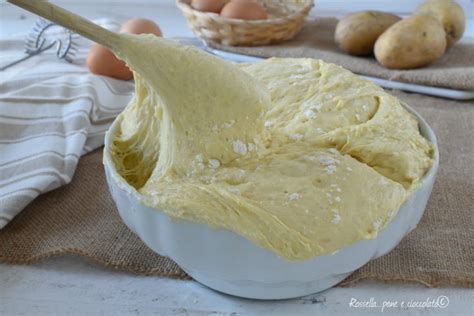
x=38 y=42
x=388 y=84
x=72 y=21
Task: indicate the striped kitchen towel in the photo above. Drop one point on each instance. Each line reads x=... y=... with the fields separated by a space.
x=51 y=113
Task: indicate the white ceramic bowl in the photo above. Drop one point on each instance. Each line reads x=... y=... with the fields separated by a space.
x=227 y=262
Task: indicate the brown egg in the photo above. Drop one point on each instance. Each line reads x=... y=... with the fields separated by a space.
x=141 y=26
x=208 y=5
x=101 y=61
x=244 y=10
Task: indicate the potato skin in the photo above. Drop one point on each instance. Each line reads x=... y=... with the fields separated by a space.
x=356 y=33
x=413 y=42
x=450 y=14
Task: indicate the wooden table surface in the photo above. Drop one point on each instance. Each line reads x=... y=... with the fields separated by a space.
x=72 y=285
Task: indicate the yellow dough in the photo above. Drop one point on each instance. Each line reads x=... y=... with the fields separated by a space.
x=298 y=156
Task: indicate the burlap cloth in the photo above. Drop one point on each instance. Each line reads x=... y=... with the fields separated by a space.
x=81 y=218
x=454 y=70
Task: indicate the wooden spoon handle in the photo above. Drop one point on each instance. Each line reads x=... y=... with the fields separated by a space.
x=71 y=21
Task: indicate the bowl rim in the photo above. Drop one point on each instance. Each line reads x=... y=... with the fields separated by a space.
x=135 y=197
x=426 y=181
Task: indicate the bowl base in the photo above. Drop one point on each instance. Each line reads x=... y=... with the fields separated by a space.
x=267 y=291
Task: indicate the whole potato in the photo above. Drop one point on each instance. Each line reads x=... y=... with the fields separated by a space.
x=356 y=33
x=449 y=13
x=410 y=43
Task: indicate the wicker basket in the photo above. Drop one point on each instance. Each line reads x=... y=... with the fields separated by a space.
x=285 y=20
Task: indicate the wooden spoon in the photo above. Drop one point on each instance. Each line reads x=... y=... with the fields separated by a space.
x=71 y=21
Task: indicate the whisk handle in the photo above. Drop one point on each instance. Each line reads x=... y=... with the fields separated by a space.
x=71 y=21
